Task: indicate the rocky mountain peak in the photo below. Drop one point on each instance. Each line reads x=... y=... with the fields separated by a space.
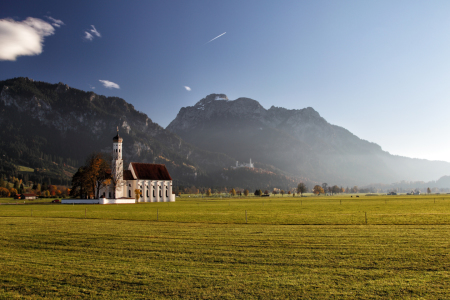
x=210 y=98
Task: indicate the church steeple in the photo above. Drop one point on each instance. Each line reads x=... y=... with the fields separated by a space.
x=117 y=164
x=117 y=146
x=117 y=138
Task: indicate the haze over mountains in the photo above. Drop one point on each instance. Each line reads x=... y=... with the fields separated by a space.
x=51 y=128
x=299 y=142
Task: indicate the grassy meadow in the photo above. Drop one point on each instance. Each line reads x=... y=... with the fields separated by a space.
x=313 y=247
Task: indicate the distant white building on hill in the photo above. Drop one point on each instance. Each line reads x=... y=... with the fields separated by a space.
x=244 y=165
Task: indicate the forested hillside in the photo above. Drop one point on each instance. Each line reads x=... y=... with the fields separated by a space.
x=47 y=131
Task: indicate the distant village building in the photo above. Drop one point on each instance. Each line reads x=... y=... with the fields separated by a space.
x=153 y=180
x=25 y=196
x=244 y=165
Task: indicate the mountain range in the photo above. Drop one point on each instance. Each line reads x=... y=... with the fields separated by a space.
x=47 y=130
x=298 y=141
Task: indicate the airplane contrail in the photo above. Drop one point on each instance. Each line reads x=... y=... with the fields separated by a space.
x=216 y=38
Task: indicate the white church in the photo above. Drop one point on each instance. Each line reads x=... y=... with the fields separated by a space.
x=153 y=180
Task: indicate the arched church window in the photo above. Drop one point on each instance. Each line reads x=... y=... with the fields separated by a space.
x=147 y=193
x=167 y=195
x=160 y=194
x=129 y=194
x=154 y=194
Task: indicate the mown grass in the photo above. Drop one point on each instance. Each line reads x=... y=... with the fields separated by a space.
x=382 y=210
x=200 y=249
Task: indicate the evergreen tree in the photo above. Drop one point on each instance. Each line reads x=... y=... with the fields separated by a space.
x=2 y=182
x=44 y=186
x=16 y=185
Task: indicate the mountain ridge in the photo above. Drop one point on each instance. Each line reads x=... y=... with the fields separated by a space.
x=52 y=128
x=329 y=152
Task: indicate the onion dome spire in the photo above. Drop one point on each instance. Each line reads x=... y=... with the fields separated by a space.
x=117 y=138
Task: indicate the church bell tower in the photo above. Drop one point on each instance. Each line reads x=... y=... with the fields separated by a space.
x=117 y=163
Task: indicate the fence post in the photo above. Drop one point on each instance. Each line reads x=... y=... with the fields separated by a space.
x=245 y=216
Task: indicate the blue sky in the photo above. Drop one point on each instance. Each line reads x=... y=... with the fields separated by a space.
x=380 y=69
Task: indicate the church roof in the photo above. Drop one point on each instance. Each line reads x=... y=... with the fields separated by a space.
x=127 y=175
x=117 y=138
x=150 y=171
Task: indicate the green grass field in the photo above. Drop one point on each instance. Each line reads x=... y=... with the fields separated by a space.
x=203 y=248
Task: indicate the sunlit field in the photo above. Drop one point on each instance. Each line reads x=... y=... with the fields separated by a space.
x=311 y=247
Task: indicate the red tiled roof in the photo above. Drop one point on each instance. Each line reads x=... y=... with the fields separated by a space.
x=150 y=171
x=127 y=175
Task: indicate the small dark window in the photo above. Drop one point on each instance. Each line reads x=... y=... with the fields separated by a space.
x=167 y=195
x=129 y=194
x=147 y=193
x=109 y=195
x=154 y=194
x=160 y=194
x=119 y=150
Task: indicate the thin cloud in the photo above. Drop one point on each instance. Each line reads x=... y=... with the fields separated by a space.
x=95 y=32
x=215 y=38
x=109 y=84
x=89 y=35
x=22 y=38
x=187 y=88
x=55 y=22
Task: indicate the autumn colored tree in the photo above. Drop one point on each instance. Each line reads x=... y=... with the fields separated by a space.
x=246 y=193
x=208 y=192
x=137 y=194
x=318 y=190
x=266 y=192
x=13 y=192
x=282 y=193
x=428 y=191
x=274 y=192
x=94 y=175
x=4 y=192
x=301 y=188
x=233 y=192
x=97 y=173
